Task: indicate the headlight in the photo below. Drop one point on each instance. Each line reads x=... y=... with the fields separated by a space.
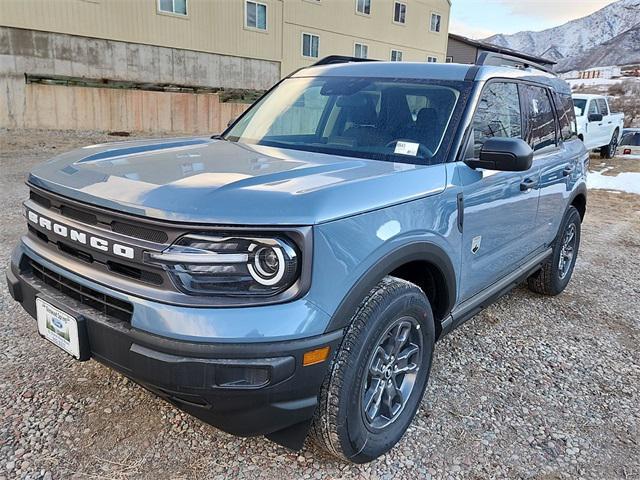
x=230 y=265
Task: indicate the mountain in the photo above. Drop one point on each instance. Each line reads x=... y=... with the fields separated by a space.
x=579 y=39
x=620 y=50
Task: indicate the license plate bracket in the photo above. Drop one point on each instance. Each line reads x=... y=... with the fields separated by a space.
x=63 y=329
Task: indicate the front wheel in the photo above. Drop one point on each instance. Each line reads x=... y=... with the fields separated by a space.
x=378 y=375
x=557 y=270
x=609 y=151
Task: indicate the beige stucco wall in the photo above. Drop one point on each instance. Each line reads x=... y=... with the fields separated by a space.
x=215 y=26
x=339 y=27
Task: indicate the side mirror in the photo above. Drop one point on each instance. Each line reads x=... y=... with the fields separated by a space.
x=595 y=117
x=504 y=154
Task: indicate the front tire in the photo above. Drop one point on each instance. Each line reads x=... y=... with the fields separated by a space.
x=555 y=274
x=378 y=376
x=609 y=151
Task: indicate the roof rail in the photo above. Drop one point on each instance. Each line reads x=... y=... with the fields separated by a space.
x=502 y=60
x=331 y=59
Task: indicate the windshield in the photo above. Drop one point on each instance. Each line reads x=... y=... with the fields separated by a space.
x=383 y=119
x=579 y=104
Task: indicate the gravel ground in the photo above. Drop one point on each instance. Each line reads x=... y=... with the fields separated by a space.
x=533 y=387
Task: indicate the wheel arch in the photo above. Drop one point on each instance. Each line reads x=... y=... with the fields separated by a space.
x=579 y=200
x=423 y=263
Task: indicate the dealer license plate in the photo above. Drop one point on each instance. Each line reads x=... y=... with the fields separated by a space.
x=58 y=327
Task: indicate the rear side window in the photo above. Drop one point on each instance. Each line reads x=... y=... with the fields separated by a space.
x=567 y=117
x=497 y=114
x=541 y=122
x=602 y=106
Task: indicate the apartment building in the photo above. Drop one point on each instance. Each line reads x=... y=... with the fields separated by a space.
x=181 y=48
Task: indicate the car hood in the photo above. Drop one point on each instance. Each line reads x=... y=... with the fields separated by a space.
x=204 y=180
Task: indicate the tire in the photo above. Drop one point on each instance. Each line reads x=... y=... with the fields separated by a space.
x=554 y=277
x=609 y=151
x=393 y=309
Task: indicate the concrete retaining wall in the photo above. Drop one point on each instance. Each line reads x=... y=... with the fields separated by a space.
x=48 y=106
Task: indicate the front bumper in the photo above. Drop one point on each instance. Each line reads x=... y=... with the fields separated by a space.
x=258 y=388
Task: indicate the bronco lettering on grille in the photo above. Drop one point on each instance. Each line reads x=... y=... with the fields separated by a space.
x=82 y=238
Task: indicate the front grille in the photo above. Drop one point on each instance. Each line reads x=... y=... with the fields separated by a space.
x=106 y=304
x=143 y=233
x=39 y=199
x=79 y=215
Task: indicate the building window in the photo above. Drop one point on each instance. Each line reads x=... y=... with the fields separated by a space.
x=361 y=50
x=449 y=60
x=436 y=20
x=396 y=56
x=256 y=15
x=310 y=45
x=399 y=12
x=432 y=59
x=179 y=7
x=363 y=7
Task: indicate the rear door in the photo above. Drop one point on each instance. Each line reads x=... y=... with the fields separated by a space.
x=556 y=159
x=499 y=207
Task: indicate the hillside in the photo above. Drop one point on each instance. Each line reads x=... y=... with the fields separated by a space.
x=609 y=36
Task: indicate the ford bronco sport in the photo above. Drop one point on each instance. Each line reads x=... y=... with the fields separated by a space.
x=292 y=275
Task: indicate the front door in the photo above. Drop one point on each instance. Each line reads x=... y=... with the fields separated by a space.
x=499 y=207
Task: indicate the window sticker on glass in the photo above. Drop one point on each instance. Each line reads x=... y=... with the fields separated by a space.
x=407 y=148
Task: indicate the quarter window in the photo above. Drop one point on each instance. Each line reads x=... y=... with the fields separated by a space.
x=399 y=12
x=256 y=15
x=361 y=50
x=567 y=118
x=310 y=45
x=540 y=118
x=179 y=7
x=436 y=21
x=363 y=7
x=497 y=114
x=396 y=56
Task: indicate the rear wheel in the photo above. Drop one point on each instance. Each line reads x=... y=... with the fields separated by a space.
x=379 y=374
x=555 y=274
x=609 y=151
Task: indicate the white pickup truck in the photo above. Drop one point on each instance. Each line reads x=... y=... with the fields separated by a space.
x=598 y=127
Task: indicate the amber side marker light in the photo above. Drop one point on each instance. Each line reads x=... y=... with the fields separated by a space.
x=318 y=355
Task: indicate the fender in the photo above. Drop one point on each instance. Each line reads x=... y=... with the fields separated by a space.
x=416 y=251
x=580 y=189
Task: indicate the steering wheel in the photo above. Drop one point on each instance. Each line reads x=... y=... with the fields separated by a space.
x=423 y=151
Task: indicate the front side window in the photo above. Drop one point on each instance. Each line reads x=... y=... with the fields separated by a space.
x=399 y=12
x=436 y=20
x=361 y=50
x=256 y=15
x=540 y=118
x=593 y=107
x=497 y=114
x=396 y=56
x=310 y=45
x=179 y=7
x=363 y=7
x=567 y=118
x=382 y=119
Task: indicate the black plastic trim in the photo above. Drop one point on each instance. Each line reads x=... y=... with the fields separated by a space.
x=417 y=251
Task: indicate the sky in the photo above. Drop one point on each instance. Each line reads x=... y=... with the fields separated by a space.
x=482 y=18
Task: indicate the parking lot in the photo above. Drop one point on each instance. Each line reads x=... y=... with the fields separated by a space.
x=533 y=387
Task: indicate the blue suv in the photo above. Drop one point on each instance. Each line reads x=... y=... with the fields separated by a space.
x=292 y=275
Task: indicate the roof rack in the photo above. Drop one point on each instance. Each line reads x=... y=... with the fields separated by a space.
x=331 y=59
x=502 y=60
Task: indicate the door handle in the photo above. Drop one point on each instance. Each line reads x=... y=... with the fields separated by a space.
x=568 y=170
x=527 y=184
